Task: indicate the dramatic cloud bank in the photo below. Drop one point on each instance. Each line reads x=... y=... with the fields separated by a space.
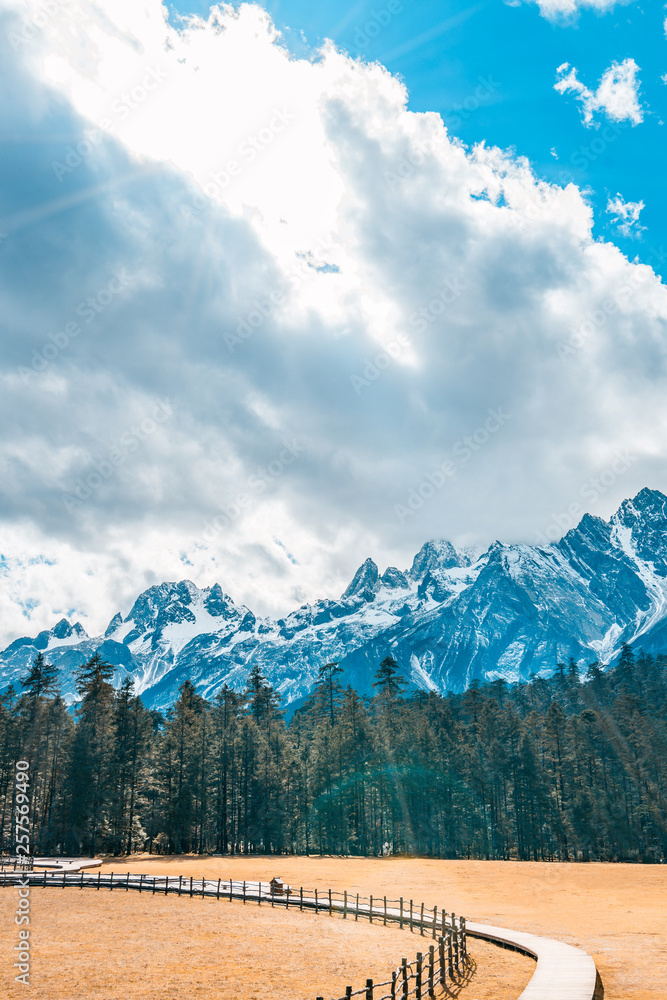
x=617 y=95
x=261 y=321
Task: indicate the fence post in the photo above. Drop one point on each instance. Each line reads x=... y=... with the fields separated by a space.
x=217 y=895
x=127 y=883
x=203 y=886
x=345 y=905
x=385 y=911
x=456 y=948
x=191 y=884
x=369 y=989
x=421 y=921
x=301 y=898
x=272 y=894
x=330 y=910
x=154 y=884
x=411 y=917
x=244 y=892
x=431 y=971
x=141 y=882
x=418 y=978
x=356 y=909
x=441 y=956
x=259 y=895
x=99 y=875
x=316 y=901
x=348 y=991
x=81 y=883
x=435 y=919
x=401 y=917
x=404 y=971
x=450 y=954
x=370 y=910
x=464 y=939
x=394 y=979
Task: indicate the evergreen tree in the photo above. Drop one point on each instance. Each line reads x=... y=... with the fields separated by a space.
x=328 y=690
x=89 y=776
x=40 y=681
x=388 y=679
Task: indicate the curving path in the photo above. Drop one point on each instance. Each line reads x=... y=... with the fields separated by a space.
x=66 y=864
x=562 y=973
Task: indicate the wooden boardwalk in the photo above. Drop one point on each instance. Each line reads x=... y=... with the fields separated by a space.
x=562 y=973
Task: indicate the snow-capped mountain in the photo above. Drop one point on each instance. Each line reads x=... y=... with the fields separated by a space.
x=452 y=617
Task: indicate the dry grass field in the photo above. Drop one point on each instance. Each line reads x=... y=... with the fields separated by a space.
x=122 y=946
x=618 y=913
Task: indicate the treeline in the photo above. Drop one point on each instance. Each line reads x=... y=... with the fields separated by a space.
x=565 y=768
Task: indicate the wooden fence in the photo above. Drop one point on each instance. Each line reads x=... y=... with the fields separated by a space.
x=418 y=979
x=20 y=862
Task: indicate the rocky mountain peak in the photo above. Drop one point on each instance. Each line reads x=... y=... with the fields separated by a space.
x=394 y=578
x=435 y=555
x=640 y=525
x=365 y=582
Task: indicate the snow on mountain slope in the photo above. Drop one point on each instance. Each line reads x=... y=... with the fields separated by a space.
x=452 y=617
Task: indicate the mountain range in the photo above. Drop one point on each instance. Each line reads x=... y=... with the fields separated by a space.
x=452 y=617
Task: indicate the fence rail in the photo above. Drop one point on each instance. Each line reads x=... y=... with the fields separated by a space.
x=447 y=957
x=16 y=861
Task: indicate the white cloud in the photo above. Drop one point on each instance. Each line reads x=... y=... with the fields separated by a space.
x=328 y=325
x=626 y=214
x=617 y=95
x=566 y=10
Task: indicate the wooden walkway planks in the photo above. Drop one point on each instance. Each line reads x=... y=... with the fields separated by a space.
x=562 y=973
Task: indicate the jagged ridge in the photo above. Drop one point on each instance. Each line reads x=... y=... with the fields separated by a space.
x=452 y=617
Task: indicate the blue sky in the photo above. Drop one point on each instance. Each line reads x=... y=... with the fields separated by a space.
x=263 y=316
x=443 y=50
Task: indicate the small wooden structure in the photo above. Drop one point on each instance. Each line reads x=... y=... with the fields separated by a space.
x=278 y=887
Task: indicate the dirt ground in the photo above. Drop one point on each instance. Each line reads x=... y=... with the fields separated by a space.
x=125 y=946
x=616 y=912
